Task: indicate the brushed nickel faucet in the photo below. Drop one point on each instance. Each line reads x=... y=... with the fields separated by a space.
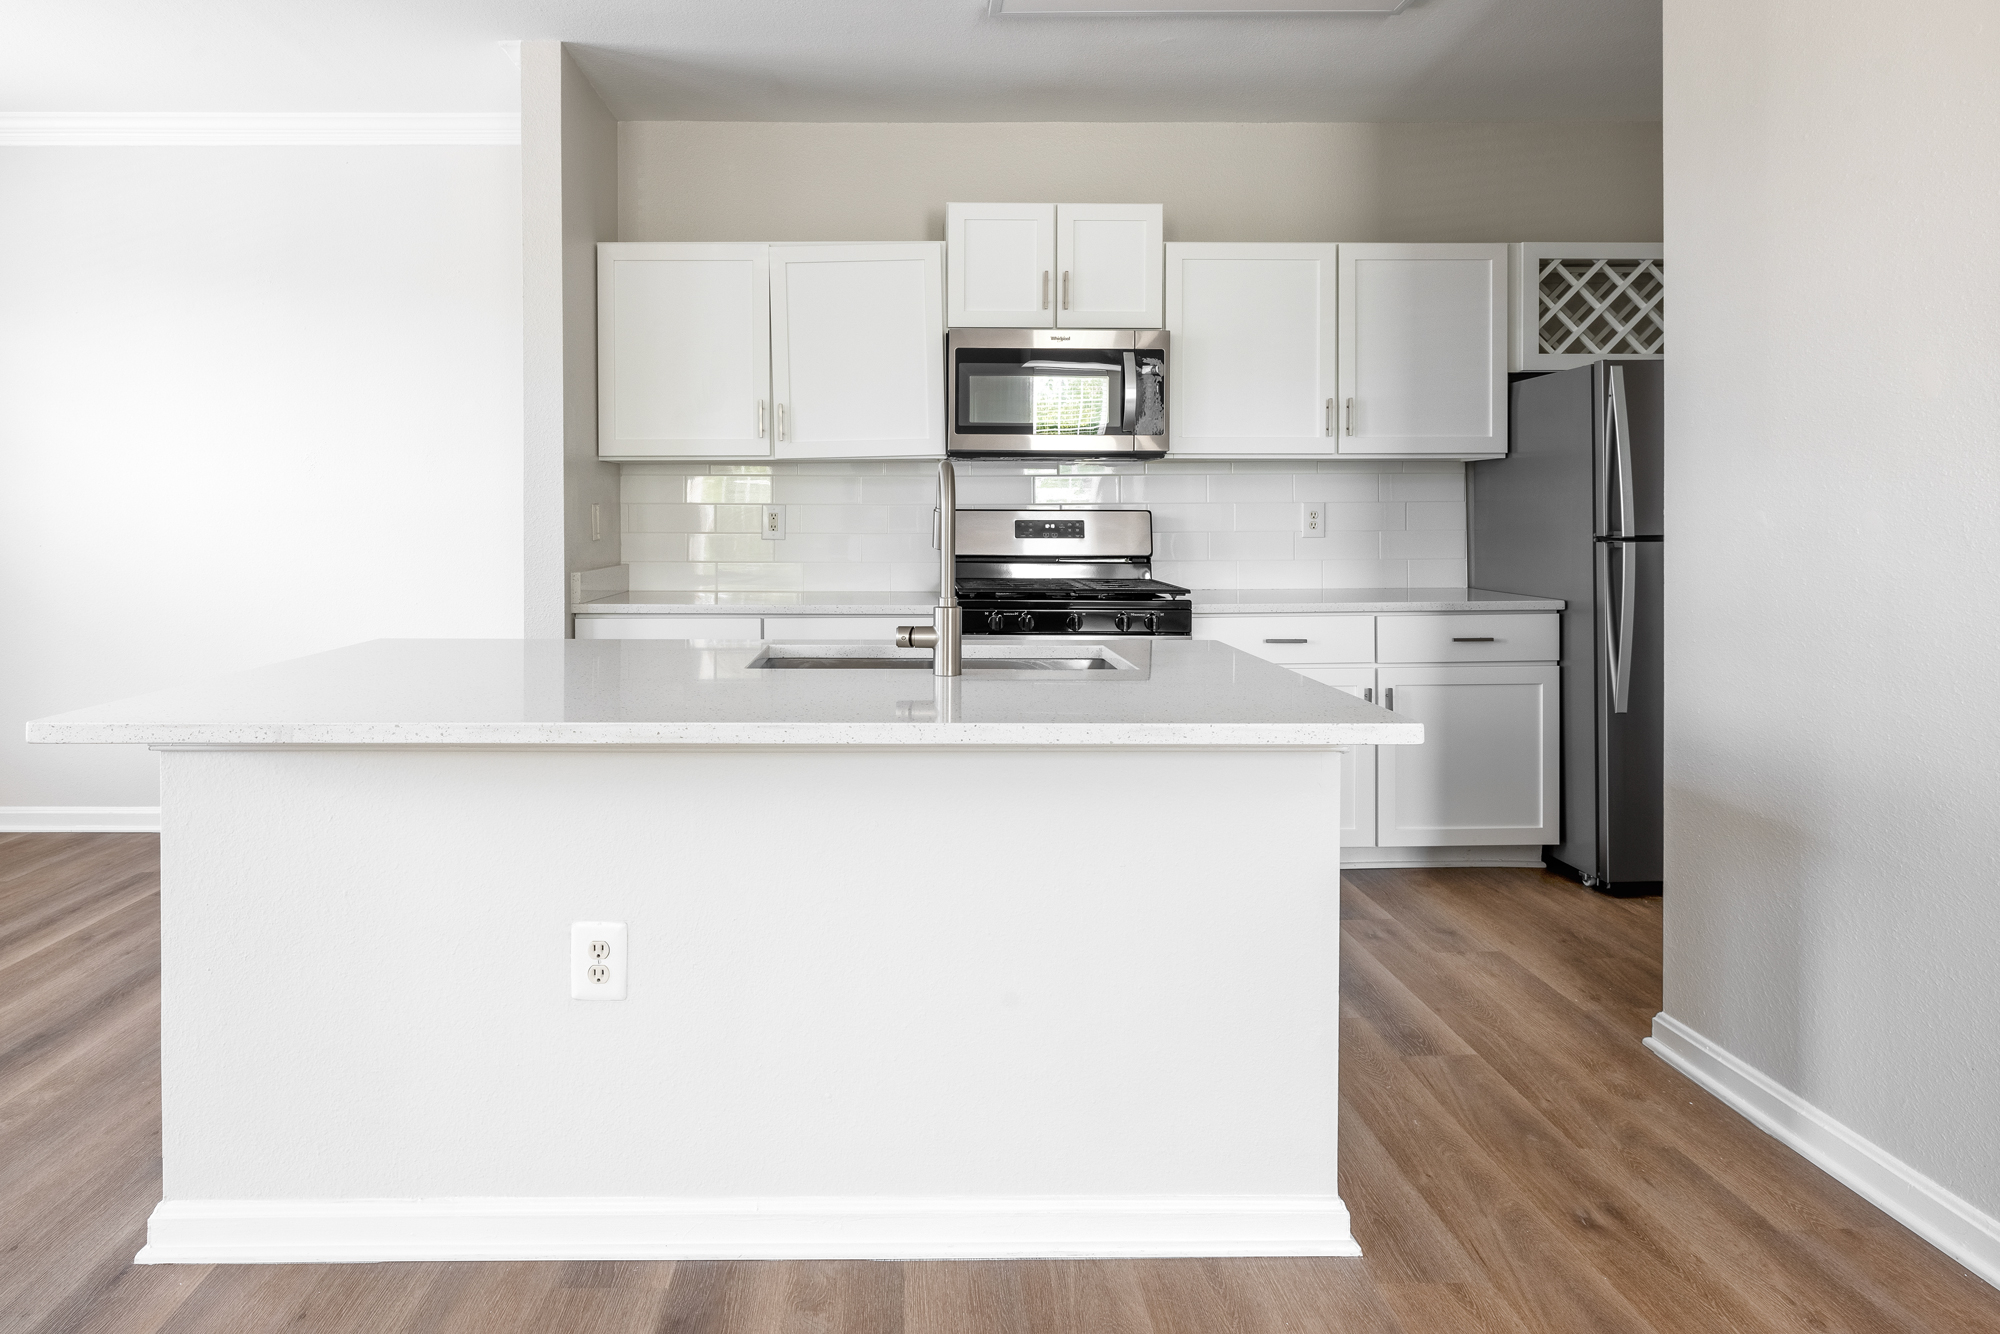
x=945 y=635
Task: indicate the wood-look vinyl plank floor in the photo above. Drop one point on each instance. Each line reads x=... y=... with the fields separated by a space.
x=1516 y=1164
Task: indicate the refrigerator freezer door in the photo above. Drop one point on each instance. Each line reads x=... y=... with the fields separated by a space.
x=1628 y=760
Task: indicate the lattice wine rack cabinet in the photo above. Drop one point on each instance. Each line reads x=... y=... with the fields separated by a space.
x=1575 y=302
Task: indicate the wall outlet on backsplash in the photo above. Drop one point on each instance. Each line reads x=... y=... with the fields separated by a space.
x=1314 y=524
x=774 y=523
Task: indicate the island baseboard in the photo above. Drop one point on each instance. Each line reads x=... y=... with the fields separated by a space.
x=828 y=1228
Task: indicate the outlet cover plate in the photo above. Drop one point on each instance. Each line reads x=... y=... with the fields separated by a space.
x=597 y=945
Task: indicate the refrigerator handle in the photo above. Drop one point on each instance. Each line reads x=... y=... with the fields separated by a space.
x=1618 y=624
x=1621 y=451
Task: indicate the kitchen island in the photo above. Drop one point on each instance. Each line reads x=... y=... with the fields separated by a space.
x=1040 y=961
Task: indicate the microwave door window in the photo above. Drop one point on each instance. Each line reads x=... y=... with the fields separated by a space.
x=1025 y=401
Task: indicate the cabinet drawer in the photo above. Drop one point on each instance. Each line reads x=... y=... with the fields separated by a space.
x=1470 y=637
x=835 y=629
x=668 y=627
x=1294 y=638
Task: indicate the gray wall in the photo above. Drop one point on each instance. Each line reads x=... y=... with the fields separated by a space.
x=744 y=181
x=1833 y=518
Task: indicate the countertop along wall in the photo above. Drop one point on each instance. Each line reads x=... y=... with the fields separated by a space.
x=1833 y=410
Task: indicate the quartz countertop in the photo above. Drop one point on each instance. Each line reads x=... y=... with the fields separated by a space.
x=1246 y=600
x=589 y=693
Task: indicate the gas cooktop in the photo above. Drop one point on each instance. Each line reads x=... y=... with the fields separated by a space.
x=1123 y=590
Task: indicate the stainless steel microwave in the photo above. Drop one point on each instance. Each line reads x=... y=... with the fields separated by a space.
x=1057 y=393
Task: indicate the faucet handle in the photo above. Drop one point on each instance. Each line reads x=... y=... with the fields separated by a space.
x=916 y=636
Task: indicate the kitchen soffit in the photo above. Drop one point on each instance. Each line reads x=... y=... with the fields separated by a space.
x=847 y=60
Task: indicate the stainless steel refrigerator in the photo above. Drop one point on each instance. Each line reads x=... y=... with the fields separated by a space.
x=1574 y=512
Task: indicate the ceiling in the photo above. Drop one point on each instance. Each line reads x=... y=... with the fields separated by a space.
x=841 y=60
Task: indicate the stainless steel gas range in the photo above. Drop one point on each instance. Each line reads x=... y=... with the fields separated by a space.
x=1082 y=572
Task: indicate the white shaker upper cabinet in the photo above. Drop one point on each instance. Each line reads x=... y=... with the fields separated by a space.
x=683 y=350
x=1108 y=261
x=1423 y=349
x=1253 y=347
x=857 y=350
x=1003 y=265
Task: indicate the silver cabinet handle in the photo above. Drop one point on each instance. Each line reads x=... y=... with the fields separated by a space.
x=1045 y=289
x=1389 y=698
x=1329 y=416
x=1065 y=289
x=781 y=421
x=1284 y=641
x=1350 y=416
x=760 y=419
x=1472 y=639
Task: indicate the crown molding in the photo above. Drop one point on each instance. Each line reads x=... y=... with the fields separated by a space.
x=232 y=129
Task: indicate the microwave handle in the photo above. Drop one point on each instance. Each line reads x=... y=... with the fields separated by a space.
x=1131 y=392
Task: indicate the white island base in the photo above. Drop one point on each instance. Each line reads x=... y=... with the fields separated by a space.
x=885 y=1001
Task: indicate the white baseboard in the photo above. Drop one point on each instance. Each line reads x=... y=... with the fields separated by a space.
x=238 y=129
x=1380 y=859
x=79 y=819
x=1955 y=1226
x=638 y=1228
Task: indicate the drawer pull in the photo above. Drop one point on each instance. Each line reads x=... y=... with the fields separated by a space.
x=1284 y=641
x=1472 y=639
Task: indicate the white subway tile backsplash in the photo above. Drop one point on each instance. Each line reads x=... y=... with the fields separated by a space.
x=1423 y=486
x=728 y=546
x=1344 y=516
x=1437 y=574
x=1217 y=523
x=1435 y=514
x=1270 y=517
x=1425 y=544
x=1251 y=486
x=728 y=490
x=1365 y=574
x=1250 y=546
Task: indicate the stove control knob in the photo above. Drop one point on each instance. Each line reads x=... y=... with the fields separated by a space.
x=1122 y=622
x=1150 y=622
x=1073 y=622
x=1024 y=620
x=995 y=621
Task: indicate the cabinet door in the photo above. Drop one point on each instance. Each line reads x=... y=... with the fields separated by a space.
x=683 y=350
x=857 y=350
x=1294 y=639
x=1423 y=349
x=1002 y=261
x=1357 y=763
x=1253 y=348
x=1486 y=771
x=1108 y=266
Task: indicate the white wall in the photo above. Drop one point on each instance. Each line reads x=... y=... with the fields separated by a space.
x=743 y=181
x=1833 y=594
x=254 y=403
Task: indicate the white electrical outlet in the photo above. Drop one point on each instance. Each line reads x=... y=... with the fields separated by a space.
x=597 y=961
x=774 y=522
x=1314 y=523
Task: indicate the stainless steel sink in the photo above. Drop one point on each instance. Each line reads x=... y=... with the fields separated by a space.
x=972 y=666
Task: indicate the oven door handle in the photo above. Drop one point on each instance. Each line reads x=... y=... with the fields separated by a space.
x=1131 y=393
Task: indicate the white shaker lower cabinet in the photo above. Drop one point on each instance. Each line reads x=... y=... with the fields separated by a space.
x=1357 y=763
x=1483 y=684
x=857 y=350
x=1487 y=772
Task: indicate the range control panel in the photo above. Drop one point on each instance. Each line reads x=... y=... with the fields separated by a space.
x=1065 y=528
